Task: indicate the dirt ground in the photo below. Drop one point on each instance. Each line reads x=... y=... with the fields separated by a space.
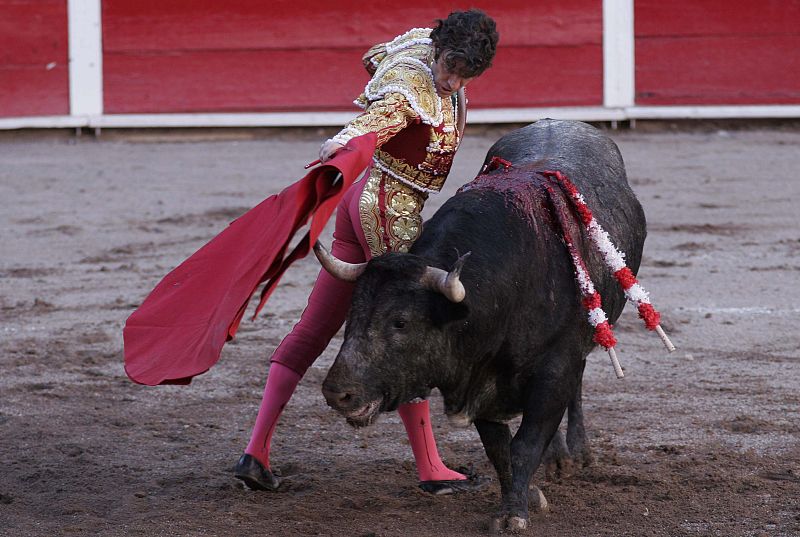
x=705 y=441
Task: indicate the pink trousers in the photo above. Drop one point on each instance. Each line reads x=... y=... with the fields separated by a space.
x=329 y=301
x=323 y=317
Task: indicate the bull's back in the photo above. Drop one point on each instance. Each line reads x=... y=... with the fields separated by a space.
x=572 y=146
x=593 y=162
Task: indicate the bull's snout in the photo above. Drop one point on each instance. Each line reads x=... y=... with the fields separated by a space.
x=345 y=392
x=339 y=400
x=351 y=404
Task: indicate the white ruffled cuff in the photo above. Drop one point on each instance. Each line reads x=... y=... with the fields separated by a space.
x=346 y=134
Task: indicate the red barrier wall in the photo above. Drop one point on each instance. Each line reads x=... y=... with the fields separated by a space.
x=33 y=58
x=255 y=56
x=258 y=56
x=717 y=52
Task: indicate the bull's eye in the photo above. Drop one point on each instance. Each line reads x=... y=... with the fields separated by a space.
x=399 y=324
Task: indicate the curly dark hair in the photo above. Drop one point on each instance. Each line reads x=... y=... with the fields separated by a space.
x=468 y=40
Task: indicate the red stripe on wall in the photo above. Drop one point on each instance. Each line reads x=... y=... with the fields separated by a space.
x=204 y=56
x=717 y=17
x=241 y=81
x=716 y=52
x=718 y=70
x=541 y=76
x=233 y=81
x=33 y=58
x=250 y=24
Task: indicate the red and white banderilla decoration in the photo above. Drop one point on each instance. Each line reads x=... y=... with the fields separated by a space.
x=614 y=259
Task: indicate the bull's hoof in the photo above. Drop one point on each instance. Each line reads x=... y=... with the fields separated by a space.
x=561 y=461
x=254 y=475
x=499 y=524
x=536 y=500
x=556 y=457
x=517 y=524
x=557 y=469
x=584 y=459
x=509 y=524
x=474 y=482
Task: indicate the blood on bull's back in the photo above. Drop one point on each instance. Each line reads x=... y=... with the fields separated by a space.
x=593 y=163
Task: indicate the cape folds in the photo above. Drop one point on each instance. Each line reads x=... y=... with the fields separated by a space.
x=180 y=328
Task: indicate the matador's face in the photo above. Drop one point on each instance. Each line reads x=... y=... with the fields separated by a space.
x=446 y=79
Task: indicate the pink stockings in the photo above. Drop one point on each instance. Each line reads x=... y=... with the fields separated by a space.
x=322 y=318
x=417 y=420
x=281 y=383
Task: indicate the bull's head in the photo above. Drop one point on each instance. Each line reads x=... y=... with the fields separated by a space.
x=397 y=338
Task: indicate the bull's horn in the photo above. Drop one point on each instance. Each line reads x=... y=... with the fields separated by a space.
x=341 y=270
x=447 y=283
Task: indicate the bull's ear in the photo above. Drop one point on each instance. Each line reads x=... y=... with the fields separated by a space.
x=444 y=312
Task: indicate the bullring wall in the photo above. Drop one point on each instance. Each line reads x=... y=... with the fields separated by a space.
x=252 y=62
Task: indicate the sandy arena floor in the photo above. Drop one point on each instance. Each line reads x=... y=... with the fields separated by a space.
x=705 y=441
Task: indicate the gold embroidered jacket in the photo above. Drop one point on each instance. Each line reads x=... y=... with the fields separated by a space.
x=417 y=138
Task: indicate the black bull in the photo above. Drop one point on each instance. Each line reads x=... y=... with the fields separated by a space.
x=518 y=340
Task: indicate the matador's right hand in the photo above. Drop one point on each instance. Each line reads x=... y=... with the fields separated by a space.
x=328 y=150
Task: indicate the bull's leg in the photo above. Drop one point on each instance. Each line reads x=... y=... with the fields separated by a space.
x=527 y=448
x=496 y=439
x=556 y=460
x=564 y=455
x=576 y=433
x=548 y=398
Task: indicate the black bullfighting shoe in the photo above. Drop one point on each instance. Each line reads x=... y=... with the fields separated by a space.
x=472 y=483
x=254 y=475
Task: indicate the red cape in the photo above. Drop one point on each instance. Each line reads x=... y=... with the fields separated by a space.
x=179 y=330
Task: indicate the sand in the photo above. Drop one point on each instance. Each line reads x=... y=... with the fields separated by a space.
x=700 y=442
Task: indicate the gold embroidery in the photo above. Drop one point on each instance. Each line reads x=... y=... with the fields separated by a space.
x=404 y=230
x=403 y=203
x=385 y=118
x=402 y=218
x=437 y=165
x=405 y=68
x=369 y=211
x=373 y=57
x=431 y=173
x=443 y=142
x=410 y=76
x=401 y=169
x=402 y=91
